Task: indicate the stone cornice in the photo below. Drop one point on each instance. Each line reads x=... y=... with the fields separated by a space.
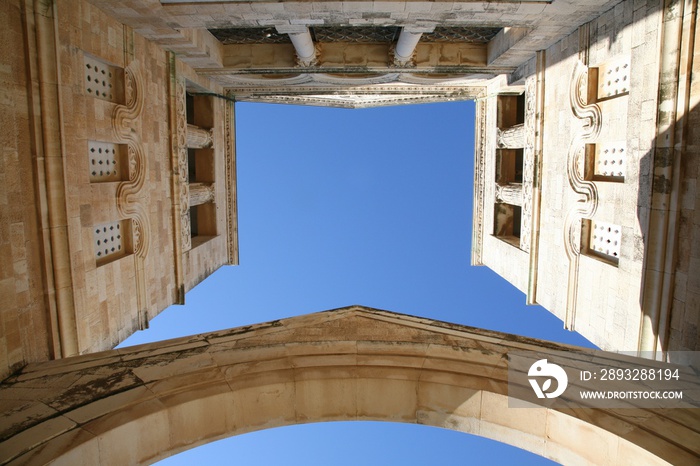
x=339 y=102
x=231 y=184
x=479 y=182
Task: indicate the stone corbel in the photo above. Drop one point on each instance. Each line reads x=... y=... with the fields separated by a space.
x=199 y=138
x=511 y=193
x=307 y=53
x=402 y=53
x=201 y=193
x=511 y=138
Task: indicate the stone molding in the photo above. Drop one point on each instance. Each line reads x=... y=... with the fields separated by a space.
x=358 y=96
x=674 y=102
x=220 y=74
x=381 y=89
x=231 y=185
x=181 y=169
x=532 y=168
x=585 y=207
x=349 y=102
x=370 y=83
x=129 y=198
x=49 y=176
x=124 y=122
x=480 y=134
x=178 y=152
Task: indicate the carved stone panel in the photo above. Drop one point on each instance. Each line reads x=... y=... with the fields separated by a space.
x=179 y=146
x=130 y=198
x=529 y=134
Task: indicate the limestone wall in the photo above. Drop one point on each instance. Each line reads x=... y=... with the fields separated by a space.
x=115 y=299
x=106 y=296
x=87 y=230
x=608 y=296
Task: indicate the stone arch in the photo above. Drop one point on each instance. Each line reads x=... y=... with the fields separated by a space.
x=138 y=405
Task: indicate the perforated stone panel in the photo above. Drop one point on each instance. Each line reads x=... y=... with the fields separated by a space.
x=102 y=80
x=610 y=160
x=111 y=241
x=605 y=239
x=106 y=162
x=614 y=78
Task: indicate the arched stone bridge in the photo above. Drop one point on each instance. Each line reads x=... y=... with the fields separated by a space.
x=141 y=404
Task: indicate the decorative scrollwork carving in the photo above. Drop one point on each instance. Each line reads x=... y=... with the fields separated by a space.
x=124 y=124
x=129 y=88
x=140 y=235
x=578 y=98
x=133 y=163
x=125 y=116
x=587 y=204
x=130 y=203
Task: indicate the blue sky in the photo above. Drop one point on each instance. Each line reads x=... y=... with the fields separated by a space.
x=341 y=207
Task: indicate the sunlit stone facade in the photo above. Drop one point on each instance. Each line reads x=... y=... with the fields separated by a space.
x=592 y=213
x=118 y=195
x=118 y=116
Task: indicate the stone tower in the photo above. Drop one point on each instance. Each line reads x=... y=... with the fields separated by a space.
x=118 y=166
